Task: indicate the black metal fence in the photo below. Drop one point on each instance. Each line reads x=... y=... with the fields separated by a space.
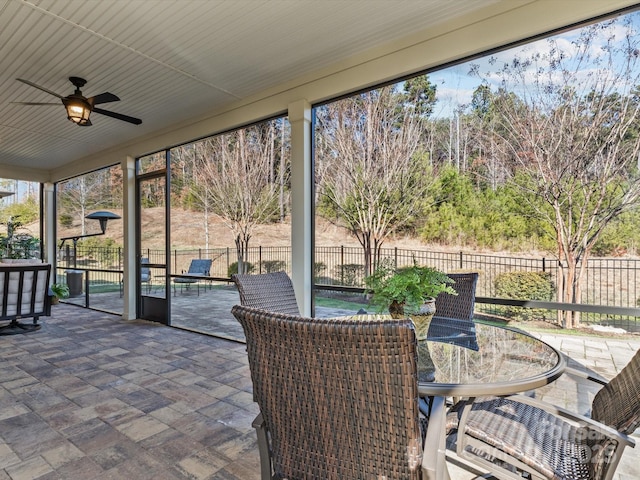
x=609 y=282
x=20 y=251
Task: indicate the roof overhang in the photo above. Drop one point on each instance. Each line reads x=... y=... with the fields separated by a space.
x=193 y=68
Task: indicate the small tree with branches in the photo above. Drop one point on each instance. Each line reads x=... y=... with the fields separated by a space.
x=372 y=176
x=235 y=181
x=570 y=138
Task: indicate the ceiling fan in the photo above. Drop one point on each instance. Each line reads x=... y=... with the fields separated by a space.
x=80 y=107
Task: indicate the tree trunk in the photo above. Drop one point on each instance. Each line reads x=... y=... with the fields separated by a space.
x=570 y=291
x=560 y=293
x=206 y=225
x=365 y=241
x=242 y=250
x=281 y=178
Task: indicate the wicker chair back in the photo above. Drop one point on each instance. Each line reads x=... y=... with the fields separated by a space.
x=338 y=397
x=268 y=291
x=459 y=306
x=617 y=405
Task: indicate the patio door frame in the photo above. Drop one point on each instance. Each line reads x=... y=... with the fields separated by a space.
x=148 y=307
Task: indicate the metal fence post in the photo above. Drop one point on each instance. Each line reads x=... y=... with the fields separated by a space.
x=342 y=264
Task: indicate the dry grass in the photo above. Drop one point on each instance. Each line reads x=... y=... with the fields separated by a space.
x=187 y=231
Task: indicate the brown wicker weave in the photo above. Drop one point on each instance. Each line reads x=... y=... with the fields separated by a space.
x=459 y=306
x=338 y=397
x=536 y=437
x=269 y=291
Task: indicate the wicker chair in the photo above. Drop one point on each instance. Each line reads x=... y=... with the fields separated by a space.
x=338 y=398
x=519 y=434
x=268 y=291
x=453 y=320
x=459 y=306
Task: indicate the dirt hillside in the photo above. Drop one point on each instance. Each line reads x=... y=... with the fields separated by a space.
x=188 y=232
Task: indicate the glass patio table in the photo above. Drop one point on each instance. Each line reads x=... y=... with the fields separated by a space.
x=467 y=359
x=462 y=360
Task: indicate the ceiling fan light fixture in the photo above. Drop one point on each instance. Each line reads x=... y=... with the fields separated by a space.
x=78 y=110
x=79 y=107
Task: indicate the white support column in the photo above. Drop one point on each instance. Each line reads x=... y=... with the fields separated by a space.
x=301 y=203
x=49 y=213
x=129 y=237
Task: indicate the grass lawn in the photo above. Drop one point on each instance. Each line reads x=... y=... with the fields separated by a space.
x=338 y=303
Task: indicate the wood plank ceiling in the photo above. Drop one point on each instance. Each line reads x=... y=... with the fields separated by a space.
x=176 y=61
x=170 y=61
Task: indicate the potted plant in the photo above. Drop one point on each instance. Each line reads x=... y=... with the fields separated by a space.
x=408 y=291
x=58 y=291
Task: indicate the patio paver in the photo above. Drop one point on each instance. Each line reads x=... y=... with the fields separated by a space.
x=93 y=396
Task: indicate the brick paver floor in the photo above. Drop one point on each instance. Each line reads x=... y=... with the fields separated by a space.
x=90 y=396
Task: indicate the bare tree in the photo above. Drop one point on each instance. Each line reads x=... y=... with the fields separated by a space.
x=371 y=175
x=235 y=173
x=79 y=195
x=484 y=123
x=570 y=129
x=189 y=185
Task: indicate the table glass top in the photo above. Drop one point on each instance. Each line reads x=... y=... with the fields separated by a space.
x=471 y=359
x=483 y=355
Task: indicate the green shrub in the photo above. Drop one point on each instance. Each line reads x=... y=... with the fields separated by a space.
x=269 y=266
x=524 y=286
x=103 y=251
x=22 y=213
x=233 y=268
x=349 y=274
x=65 y=220
x=20 y=245
x=318 y=269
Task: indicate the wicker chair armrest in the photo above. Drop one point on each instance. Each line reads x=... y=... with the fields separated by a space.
x=574 y=372
x=572 y=417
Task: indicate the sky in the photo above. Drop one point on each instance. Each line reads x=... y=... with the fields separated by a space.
x=455 y=85
x=20 y=189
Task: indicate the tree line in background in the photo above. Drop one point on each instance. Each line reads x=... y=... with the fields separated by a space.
x=545 y=156
x=82 y=195
x=549 y=154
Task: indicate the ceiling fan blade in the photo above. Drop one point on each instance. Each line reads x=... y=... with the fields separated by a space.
x=119 y=116
x=105 y=97
x=36 y=103
x=39 y=87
